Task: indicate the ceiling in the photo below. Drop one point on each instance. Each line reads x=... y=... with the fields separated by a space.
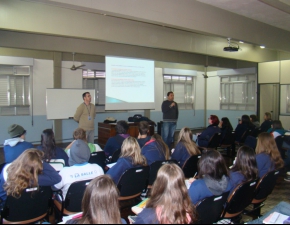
x=272 y=12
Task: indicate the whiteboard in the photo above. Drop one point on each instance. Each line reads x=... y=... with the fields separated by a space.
x=63 y=103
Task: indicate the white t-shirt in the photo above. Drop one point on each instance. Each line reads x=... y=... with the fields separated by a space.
x=75 y=173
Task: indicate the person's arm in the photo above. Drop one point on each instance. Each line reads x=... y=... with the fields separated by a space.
x=78 y=113
x=165 y=107
x=176 y=105
x=69 y=146
x=49 y=176
x=117 y=170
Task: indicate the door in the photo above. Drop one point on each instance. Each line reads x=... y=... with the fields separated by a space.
x=269 y=100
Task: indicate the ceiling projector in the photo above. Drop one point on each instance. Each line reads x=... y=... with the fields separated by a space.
x=233 y=47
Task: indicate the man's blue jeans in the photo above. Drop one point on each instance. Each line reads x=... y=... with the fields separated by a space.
x=168 y=130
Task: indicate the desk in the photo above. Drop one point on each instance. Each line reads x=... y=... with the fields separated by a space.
x=106 y=131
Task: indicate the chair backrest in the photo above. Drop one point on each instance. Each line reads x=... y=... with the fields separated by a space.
x=133 y=181
x=210 y=209
x=74 y=196
x=154 y=167
x=32 y=206
x=241 y=197
x=255 y=132
x=229 y=138
x=215 y=141
x=279 y=142
x=98 y=158
x=266 y=185
x=190 y=166
x=57 y=164
x=245 y=135
x=115 y=156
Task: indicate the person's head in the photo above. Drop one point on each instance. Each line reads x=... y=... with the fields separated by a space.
x=213 y=120
x=245 y=120
x=246 y=163
x=100 y=204
x=162 y=147
x=277 y=125
x=170 y=196
x=143 y=127
x=225 y=123
x=48 y=144
x=212 y=164
x=185 y=137
x=79 y=153
x=253 y=118
x=87 y=97
x=267 y=116
x=16 y=131
x=170 y=96
x=122 y=127
x=266 y=144
x=131 y=149
x=80 y=134
x=23 y=172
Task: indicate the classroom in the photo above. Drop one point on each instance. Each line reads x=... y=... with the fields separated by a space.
x=220 y=58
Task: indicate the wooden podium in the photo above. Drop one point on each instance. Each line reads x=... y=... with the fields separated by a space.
x=107 y=130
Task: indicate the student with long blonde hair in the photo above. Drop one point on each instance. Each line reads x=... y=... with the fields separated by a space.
x=268 y=156
x=130 y=157
x=185 y=147
x=26 y=171
x=169 y=202
x=100 y=204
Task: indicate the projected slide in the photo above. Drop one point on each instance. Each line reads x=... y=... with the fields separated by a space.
x=129 y=84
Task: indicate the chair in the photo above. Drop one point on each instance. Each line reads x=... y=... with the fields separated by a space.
x=264 y=188
x=133 y=182
x=190 y=166
x=98 y=158
x=115 y=156
x=228 y=142
x=215 y=141
x=154 y=167
x=73 y=201
x=279 y=142
x=57 y=164
x=32 y=206
x=241 y=197
x=210 y=209
x=244 y=136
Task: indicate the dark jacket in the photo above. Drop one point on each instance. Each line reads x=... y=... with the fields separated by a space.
x=147 y=216
x=204 y=138
x=113 y=144
x=241 y=129
x=152 y=153
x=143 y=141
x=169 y=114
x=265 y=164
x=180 y=154
x=266 y=125
x=60 y=154
x=13 y=150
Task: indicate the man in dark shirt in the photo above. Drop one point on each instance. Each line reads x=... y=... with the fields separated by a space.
x=170 y=117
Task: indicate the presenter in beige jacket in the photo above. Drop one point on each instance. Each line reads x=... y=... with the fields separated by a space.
x=85 y=116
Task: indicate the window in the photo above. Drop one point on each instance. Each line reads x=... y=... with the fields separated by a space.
x=14 y=90
x=285 y=100
x=96 y=80
x=238 y=92
x=183 y=88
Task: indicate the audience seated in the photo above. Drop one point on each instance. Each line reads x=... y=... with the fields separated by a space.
x=276 y=129
x=225 y=126
x=155 y=150
x=27 y=171
x=169 y=202
x=243 y=126
x=254 y=120
x=268 y=156
x=48 y=146
x=185 y=147
x=143 y=137
x=130 y=157
x=15 y=146
x=100 y=203
x=245 y=167
x=213 y=178
x=204 y=138
x=80 y=134
x=266 y=125
x=79 y=168
x=115 y=143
